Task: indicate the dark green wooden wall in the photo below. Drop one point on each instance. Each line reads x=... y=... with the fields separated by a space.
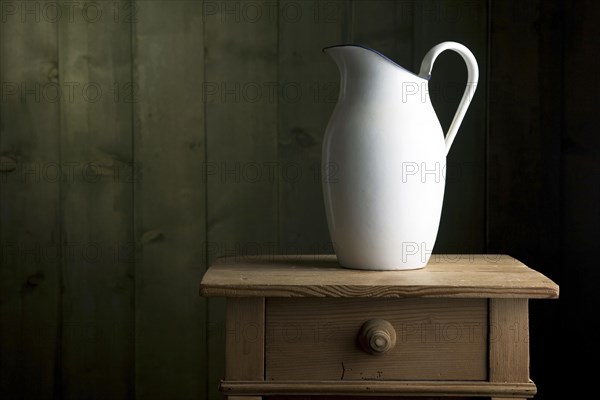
x=140 y=139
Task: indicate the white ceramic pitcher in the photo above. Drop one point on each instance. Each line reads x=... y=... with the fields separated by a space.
x=384 y=159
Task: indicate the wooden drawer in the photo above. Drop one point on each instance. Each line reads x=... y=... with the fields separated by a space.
x=316 y=339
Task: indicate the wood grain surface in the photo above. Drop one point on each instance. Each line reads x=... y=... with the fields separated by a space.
x=321 y=276
x=308 y=86
x=169 y=201
x=30 y=237
x=383 y=388
x=509 y=340
x=436 y=339
x=245 y=339
x=96 y=209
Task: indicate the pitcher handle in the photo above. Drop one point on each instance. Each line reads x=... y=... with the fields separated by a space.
x=472 y=79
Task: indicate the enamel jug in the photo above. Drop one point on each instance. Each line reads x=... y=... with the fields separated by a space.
x=384 y=159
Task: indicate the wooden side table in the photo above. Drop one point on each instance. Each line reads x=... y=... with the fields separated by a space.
x=303 y=325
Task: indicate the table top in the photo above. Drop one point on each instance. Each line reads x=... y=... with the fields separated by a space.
x=446 y=275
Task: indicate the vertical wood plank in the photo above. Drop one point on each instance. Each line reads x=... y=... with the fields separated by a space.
x=580 y=199
x=462 y=227
x=524 y=178
x=96 y=202
x=509 y=340
x=386 y=26
x=309 y=82
x=240 y=94
x=245 y=339
x=169 y=216
x=524 y=136
x=30 y=274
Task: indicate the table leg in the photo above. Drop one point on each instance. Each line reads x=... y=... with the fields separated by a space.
x=244 y=342
x=509 y=342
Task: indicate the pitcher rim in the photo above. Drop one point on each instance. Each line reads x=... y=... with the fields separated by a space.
x=362 y=46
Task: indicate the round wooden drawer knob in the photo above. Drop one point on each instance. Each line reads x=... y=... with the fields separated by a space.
x=377 y=336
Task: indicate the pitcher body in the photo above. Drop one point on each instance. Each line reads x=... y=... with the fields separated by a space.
x=383 y=164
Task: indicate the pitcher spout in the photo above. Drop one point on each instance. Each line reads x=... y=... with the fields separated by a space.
x=367 y=74
x=365 y=59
